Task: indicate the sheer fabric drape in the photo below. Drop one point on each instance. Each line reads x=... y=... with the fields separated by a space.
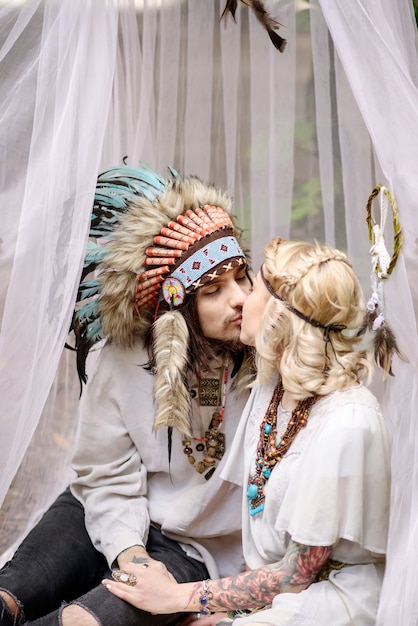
x=299 y=139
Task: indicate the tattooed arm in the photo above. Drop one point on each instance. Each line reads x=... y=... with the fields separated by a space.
x=257 y=588
x=157 y=593
x=295 y=572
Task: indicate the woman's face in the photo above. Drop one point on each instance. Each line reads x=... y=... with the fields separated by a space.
x=252 y=311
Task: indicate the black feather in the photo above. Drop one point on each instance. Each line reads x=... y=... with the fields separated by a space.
x=82 y=348
x=169 y=442
x=278 y=42
x=385 y=346
x=230 y=7
x=368 y=321
x=269 y=23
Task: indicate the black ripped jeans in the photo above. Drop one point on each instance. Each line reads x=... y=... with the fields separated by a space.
x=57 y=563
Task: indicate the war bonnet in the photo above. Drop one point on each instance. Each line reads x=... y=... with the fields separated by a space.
x=153 y=241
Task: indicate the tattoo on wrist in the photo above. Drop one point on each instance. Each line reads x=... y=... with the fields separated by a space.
x=140 y=559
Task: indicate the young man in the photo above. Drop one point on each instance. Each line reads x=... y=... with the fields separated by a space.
x=158 y=415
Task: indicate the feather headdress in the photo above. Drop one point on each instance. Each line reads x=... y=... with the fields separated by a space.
x=155 y=240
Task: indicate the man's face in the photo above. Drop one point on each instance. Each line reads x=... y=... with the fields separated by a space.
x=219 y=305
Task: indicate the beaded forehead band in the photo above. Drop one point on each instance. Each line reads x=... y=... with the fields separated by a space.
x=337 y=328
x=190 y=252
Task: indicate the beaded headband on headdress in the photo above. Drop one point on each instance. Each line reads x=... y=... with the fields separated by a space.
x=192 y=251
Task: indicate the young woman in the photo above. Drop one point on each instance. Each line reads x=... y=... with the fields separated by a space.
x=311 y=453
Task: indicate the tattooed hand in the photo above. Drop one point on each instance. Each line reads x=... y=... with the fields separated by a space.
x=139 y=556
x=154 y=590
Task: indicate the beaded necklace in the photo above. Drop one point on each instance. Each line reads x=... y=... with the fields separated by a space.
x=214 y=439
x=270 y=449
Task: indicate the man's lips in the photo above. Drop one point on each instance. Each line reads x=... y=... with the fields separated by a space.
x=237 y=319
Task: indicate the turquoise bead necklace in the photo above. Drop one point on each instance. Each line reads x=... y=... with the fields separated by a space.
x=270 y=449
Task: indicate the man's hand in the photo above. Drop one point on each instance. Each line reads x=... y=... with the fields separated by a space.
x=152 y=589
x=139 y=555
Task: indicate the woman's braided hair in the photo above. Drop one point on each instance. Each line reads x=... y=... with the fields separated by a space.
x=317 y=351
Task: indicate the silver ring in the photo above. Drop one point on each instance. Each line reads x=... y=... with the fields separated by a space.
x=124 y=577
x=198 y=615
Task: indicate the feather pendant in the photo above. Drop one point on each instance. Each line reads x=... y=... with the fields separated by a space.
x=385 y=347
x=265 y=19
x=368 y=321
x=171 y=340
x=230 y=7
x=269 y=24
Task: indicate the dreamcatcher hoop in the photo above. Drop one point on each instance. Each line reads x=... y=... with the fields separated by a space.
x=384 y=264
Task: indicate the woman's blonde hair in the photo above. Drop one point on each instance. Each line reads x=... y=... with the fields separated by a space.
x=317 y=352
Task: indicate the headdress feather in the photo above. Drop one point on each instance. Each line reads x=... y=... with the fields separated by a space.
x=115 y=190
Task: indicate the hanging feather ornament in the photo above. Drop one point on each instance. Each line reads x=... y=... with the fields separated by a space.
x=268 y=23
x=384 y=341
x=171 y=340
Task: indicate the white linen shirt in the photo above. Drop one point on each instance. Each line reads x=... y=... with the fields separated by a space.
x=124 y=479
x=332 y=485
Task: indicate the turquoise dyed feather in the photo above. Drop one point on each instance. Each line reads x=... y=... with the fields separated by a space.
x=115 y=190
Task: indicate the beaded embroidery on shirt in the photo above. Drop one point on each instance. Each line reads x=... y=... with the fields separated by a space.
x=270 y=449
x=211 y=393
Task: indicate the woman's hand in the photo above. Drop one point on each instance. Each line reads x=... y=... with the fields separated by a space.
x=150 y=587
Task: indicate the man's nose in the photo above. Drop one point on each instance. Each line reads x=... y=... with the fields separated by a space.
x=238 y=294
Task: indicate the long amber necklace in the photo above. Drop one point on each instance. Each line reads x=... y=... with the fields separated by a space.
x=270 y=449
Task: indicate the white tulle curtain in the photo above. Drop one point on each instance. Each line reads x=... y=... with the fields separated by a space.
x=299 y=139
